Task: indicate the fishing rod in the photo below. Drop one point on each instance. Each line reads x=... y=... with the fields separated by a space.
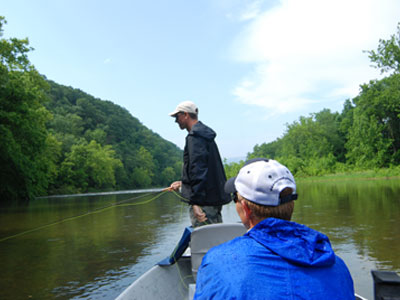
x=156 y=190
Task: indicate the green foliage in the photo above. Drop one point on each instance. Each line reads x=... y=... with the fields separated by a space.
x=295 y=164
x=27 y=152
x=307 y=139
x=89 y=165
x=366 y=135
x=387 y=56
x=374 y=138
x=269 y=150
x=13 y=52
x=232 y=169
x=57 y=139
x=99 y=135
x=311 y=146
x=80 y=118
x=366 y=145
x=144 y=172
x=168 y=174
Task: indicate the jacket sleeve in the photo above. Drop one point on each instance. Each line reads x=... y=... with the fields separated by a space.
x=198 y=167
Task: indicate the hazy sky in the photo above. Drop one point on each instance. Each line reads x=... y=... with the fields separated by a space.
x=251 y=66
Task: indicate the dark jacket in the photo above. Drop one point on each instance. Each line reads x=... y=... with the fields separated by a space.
x=203 y=175
x=276 y=260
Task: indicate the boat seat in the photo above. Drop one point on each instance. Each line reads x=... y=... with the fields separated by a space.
x=205 y=237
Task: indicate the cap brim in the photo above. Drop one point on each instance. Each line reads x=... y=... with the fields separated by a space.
x=230 y=186
x=173 y=114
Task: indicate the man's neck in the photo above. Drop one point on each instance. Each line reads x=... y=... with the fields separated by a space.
x=253 y=222
x=190 y=124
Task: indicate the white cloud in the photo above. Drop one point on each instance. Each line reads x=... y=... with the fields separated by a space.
x=244 y=10
x=252 y=10
x=310 y=51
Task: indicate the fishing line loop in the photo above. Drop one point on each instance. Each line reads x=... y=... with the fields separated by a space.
x=95 y=211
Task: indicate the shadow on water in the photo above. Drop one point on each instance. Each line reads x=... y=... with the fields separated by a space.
x=107 y=240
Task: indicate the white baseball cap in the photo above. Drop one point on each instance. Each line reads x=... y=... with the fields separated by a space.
x=185 y=106
x=261 y=181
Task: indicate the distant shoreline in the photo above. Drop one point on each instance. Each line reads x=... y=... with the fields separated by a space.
x=237 y=159
x=359 y=175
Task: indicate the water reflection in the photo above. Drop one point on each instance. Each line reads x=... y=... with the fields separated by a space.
x=97 y=255
x=85 y=253
x=360 y=219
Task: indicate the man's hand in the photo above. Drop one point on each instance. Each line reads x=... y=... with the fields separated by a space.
x=174 y=186
x=199 y=213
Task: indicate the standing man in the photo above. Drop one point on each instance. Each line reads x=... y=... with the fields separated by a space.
x=276 y=259
x=203 y=175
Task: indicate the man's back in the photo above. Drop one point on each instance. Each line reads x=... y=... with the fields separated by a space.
x=203 y=175
x=277 y=259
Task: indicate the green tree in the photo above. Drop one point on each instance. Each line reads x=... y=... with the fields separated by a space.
x=90 y=166
x=232 y=169
x=27 y=152
x=79 y=116
x=374 y=137
x=67 y=123
x=387 y=56
x=367 y=148
x=329 y=124
x=267 y=150
x=311 y=146
x=144 y=172
x=365 y=135
x=168 y=175
x=346 y=117
x=99 y=135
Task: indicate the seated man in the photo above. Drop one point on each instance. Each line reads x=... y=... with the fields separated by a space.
x=276 y=258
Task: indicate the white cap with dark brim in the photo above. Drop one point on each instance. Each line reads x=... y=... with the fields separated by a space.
x=185 y=106
x=261 y=181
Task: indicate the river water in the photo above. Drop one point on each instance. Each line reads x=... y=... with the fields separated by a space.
x=93 y=247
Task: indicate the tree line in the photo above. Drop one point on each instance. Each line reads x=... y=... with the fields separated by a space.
x=103 y=146
x=364 y=135
x=57 y=139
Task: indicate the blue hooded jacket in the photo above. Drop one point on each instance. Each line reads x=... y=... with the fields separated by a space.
x=275 y=260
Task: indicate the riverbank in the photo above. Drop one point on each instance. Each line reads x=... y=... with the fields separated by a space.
x=384 y=173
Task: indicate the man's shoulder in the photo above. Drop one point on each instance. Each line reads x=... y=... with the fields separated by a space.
x=203 y=131
x=229 y=247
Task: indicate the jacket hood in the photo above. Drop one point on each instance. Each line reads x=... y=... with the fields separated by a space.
x=199 y=129
x=294 y=242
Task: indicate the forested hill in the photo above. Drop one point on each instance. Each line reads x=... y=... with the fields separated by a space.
x=56 y=139
x=100 y=139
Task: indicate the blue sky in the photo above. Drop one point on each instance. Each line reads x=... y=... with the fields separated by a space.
x=251 y=66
